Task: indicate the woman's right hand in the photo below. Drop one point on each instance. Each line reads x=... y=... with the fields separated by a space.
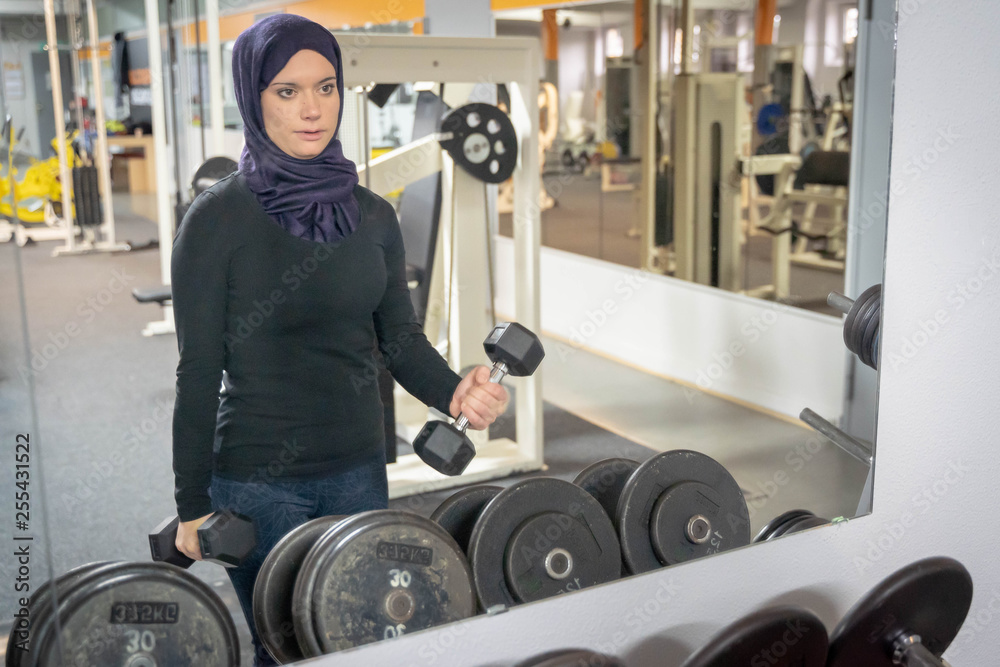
x=187 y=537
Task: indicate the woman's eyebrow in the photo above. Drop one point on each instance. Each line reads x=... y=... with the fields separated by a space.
x=295 y=85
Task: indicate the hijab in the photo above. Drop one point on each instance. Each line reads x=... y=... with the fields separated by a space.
x=314 y=198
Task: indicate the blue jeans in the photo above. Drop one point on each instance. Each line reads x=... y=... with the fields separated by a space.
x=277 y=507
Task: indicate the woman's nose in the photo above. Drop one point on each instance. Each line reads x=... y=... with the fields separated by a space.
x=310 y=106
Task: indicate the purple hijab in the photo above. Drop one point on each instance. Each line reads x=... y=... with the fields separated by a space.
x=312 y=199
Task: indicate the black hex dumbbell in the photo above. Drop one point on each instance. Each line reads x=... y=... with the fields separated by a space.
x=226 y=538
x=514 y=351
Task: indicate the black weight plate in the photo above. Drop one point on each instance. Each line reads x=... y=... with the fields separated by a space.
x=573 y=657
x=142 y=614
x=869 y=354
x=483 y=141
x=805 y=523
x=604 y=480
x=786 y=527
x=929 y=598
x=458 y=513
x=40 y=605
x=525 y=526
x=376 y=575
x=767 y=531
x=857 y=317
x=272 y=591
x=778 y=637
x=709 y=489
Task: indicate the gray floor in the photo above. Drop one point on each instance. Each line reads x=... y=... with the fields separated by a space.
x=105 y=396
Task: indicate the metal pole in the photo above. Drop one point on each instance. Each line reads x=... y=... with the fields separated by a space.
x=215 y=101
x=855 y=448
x=101 y=150
x=201 y=87
x=164 y=213
x=57 y=102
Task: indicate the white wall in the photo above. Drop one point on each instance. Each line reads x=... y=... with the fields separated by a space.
x=718 y=341
x=936 y=484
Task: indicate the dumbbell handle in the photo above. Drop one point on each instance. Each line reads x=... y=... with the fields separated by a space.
x=840 y=302
x=909 y=652
x=849 y=444
x=496 y=375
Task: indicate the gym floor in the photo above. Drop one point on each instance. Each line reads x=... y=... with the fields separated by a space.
x=105 y=399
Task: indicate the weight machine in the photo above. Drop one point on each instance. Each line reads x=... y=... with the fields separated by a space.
x=460 y=296
x=96 y=238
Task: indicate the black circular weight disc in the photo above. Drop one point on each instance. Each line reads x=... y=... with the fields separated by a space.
x=573 y=657
x=768 y=530
x=857 y=317
x=526 y=525
x=724 y=508
x=40 y=608
x=929 y=598
x=778 y=637
x=378 y=575
x=787 y=526
x=604 y=480
x=142 y=614
x=459 y=511
x=483 y=141
x=868 y=348
x=272 y=592
x=805 y=523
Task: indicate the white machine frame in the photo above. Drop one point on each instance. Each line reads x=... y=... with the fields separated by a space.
x=63 y=227
x=459 y=285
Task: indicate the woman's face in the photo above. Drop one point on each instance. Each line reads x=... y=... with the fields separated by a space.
x=301 y=105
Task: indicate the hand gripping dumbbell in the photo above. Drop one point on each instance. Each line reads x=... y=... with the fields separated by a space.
x=225 y=538
x=514 y=351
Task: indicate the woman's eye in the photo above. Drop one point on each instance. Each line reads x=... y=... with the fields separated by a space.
x=328 y=88
x=283 y=91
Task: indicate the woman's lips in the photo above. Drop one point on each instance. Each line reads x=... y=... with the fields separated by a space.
x=310 y=136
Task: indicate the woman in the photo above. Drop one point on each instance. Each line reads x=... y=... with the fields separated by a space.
x=285 y=274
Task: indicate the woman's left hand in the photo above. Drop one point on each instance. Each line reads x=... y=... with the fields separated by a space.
x=480 y=400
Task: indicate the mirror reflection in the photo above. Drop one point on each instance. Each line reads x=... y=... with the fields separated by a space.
x=506 y=396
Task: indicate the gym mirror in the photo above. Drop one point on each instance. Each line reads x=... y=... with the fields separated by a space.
x=636 y=368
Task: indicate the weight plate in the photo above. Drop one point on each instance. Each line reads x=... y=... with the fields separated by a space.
x=141 y=615
x=786 y=527
x=571 y=658
x=458 y=513
x=377 y=575
x=869 y=354
x=39 y=606
x=929 y=598
x=855 y=322
x=604 y=480
x=768 y=530
x=706 y=515
x=483 y=141
x=805 y=523
x=779 y=637
x=272 y=591
x=540 y=537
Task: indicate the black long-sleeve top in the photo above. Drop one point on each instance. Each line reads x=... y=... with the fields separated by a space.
x=293 y=323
